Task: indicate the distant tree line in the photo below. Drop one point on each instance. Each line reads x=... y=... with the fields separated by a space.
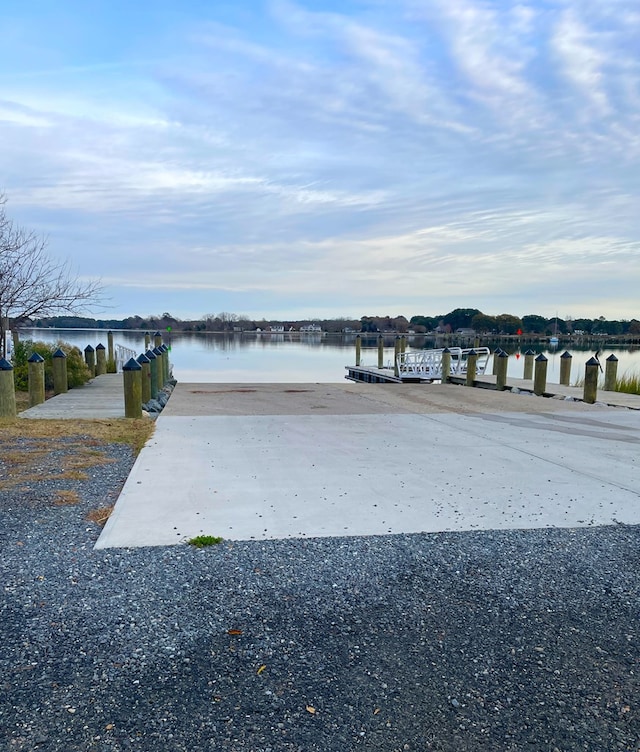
x=460 y=318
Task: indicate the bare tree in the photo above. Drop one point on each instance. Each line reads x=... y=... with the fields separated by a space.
x=32 y=283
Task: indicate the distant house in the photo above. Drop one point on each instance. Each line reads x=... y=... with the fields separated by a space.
x=465 y=332
x=311 y=328
x=276 y=329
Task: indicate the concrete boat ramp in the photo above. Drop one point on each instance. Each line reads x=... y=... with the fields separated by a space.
x=272 y=461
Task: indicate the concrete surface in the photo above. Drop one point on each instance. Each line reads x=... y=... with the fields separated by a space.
x=304 y=460
x=102 y=397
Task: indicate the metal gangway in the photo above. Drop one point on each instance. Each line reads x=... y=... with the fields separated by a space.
x=123 y=355
x=426 y=365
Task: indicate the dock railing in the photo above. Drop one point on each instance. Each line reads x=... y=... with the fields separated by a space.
x=427 y=364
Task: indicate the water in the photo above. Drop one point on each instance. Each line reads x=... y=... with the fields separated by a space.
x=292 y=358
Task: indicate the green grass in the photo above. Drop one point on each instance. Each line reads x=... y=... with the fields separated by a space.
x=629 y=383
x=200 y=541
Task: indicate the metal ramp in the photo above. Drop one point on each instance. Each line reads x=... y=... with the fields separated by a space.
x=426 y=365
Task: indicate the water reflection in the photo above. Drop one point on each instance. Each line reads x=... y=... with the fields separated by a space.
x=294 y=358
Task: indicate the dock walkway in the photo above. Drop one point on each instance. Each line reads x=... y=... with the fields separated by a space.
x=102 y=397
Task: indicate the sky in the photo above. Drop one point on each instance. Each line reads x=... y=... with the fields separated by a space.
x=313 y=158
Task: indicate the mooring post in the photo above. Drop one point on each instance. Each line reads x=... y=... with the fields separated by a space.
x=36 y=379
x=610 y=373
x=60 y=379
x=153 y=370
x=472 y=361
x=445 y=365
x=403 y=344
x=147 y=341
x=540 y=377
x=591 y=370
x=501 y=371
x=101 y=359
x=528 y=365
x=396 y=355
x=157 y=351
x=7 y=390
x=380 y=351
x=132 y=376
x=145 y=375
x=111 y=358
x=90 y=359
x=165 y=353
x=496 y=352
x=358 y=349
x=565 y=368
x=157 y=339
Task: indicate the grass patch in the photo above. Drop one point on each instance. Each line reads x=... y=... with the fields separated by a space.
x=201 y=541
x=629 y=383
x=100 y=515
x=66 y=498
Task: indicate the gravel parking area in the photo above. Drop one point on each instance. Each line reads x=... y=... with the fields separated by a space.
x=512 y=640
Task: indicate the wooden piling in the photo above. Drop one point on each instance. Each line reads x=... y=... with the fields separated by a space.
x=111 y=357
x=36 y=379
x=147 y=341
x=153 y=369
x=591 y=371
x=396 y=355
x=145 y=375
x=501 y=370
x=565 y=368
x=90 y=359
x=358 y=349
x=132 y=376
x=610 y=373
x=101 y=360
x=528 y=365
x=540 y=376
x=165 y=362
x=157 y=339
x=7 y=390
x=494 y=365
x=472 y=361
x=446 y=365
x=157 y=351
x=380 y=351
x=60 y=378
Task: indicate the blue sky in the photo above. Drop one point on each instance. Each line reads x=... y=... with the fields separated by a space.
x=317 y=158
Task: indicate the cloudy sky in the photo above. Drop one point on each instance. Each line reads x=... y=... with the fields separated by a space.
x=316 y=158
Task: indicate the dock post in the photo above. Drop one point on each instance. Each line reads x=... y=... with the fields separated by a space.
x=90 y=359
x=145 y=375
x=160 y=360
x=101 y=360
x=565 y=368
x=403 y=344
x=501 y=371
x=358 y=349
x=472 y=361
x=36 y=379
x=540 y=377
x=147 y=341
x=132 y=375
x=528 y=365
x=591 y=369
x=157 y=339
x=445 y=365
x=165 y=358
x=7 y=390
x=111 y=358
x=396 y=355
x=494 y=369
x=153 y=370
x=60 y=377
x=611 y=373
x=380 y=351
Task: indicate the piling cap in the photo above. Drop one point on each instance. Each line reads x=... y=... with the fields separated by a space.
x=132 y=365
x=612 y=359
x=157 y=334
x=541 y=359
x=100 y=347
x=497 y=351
x=593 y=362
x=35 y=358
x=471 y=352
x=566 y=354
x=157 y=351
x=142 y=358
x=446 y=350
x=151 y=355
x=503 y=354
x=88 y=348
x=59 y=353
x=5 y=365
x=529 y=352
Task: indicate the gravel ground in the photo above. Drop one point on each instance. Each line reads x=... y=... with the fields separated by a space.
x=516 y=640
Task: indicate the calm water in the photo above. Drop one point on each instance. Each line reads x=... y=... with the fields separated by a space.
x=199 y=357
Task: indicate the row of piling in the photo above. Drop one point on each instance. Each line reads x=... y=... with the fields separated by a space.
x=535 y=368
x=144 y=377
